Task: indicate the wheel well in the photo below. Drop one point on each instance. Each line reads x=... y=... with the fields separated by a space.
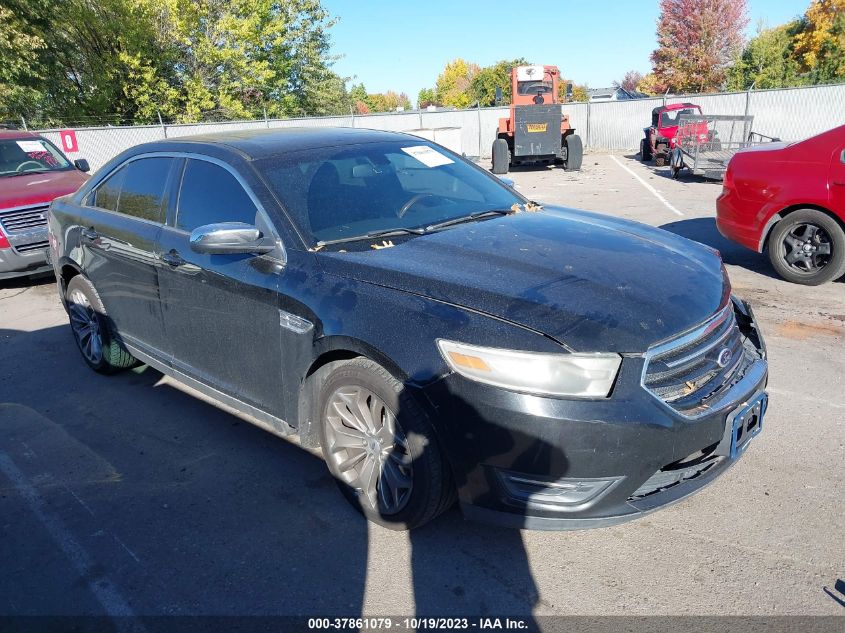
x=68 y=272
x=508 y=138
x=792 y=209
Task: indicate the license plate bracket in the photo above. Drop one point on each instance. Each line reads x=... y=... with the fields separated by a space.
x=742 y=425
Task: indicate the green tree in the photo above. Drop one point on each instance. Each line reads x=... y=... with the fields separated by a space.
x=426 y=97
x=131 y=59
x=484 y=83
x=388 y=101
x=21 y=74
x=453 y=87
x=360 y=99
x=768 y=60
x=579 y=91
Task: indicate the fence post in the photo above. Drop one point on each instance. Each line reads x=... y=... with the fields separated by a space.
x=478 y=109
x=589 y=114
x=23 y=120
x=266 y=120
x=161 y=123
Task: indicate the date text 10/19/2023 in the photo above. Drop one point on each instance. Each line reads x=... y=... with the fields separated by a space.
x=418 y=624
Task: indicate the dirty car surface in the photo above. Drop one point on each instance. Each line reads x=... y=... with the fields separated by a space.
x=437 y=334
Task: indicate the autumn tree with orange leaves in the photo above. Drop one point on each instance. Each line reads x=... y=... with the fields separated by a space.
x=697 y=40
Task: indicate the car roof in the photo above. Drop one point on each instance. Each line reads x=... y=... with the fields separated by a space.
x=16 y=134
x=263 y=143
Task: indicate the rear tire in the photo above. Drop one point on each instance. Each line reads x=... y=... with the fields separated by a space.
x=501 y=156
x=380 y=447
x=92 y=329
x=574 y=153
x=808 y=247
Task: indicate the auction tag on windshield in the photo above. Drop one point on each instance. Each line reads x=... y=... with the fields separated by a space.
x=30 y=146
x=428 y=156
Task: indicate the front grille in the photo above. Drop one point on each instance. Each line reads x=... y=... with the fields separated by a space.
x=687 y=372
x=23 y=219
x=26 y=248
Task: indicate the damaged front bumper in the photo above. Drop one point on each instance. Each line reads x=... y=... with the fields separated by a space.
x=537 y=462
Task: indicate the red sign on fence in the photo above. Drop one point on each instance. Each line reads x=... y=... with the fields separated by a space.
x=69 y=141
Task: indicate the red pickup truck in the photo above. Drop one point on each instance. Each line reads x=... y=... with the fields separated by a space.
x=32 y=173
x=790 y=198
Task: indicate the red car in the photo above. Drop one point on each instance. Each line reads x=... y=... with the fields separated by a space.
x=790 y=198
x=32 y=173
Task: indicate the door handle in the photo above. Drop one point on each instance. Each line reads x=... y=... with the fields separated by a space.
x=90 y=234
x=839 y=182
x=172 y=259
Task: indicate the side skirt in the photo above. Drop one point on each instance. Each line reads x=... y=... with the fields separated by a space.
x=259 y=418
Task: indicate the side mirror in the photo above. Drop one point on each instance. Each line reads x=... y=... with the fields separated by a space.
x=499 y=97
x=230 y=238
x=569 y=90
x=82 y=165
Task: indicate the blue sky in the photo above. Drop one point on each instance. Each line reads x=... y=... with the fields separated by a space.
x=403 y=45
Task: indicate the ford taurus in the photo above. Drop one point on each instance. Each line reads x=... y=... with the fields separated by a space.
x=438 y=335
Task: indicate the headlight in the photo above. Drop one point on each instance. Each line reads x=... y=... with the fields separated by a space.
x=574 y=375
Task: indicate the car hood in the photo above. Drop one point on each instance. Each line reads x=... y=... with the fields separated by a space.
x=35 y=188
x=774 y=146
x=591 y=282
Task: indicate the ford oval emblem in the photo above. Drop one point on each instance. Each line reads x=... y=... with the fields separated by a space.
x=724 y=357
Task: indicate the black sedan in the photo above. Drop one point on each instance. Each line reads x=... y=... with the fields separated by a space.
x=438 y=335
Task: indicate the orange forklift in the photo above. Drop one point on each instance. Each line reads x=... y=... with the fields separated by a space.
x=536 y=132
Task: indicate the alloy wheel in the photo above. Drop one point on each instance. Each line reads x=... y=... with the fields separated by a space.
x=86 y=327
x=368 y=448
x=807 y=248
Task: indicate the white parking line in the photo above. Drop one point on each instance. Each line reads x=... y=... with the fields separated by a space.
x=103 y=589
x=654 y=191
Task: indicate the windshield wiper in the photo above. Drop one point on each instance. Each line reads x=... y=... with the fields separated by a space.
x=419 y=230
x=26 y=173
x=400 y=230
x=473 y=217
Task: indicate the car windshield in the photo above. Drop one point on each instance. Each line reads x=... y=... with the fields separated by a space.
x=26 y=155
x=533 y=87
x=670 y=118
x=334 y=193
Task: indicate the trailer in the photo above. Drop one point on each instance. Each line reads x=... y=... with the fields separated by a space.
x=705 y=144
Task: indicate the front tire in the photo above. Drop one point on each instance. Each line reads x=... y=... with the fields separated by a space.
x=501 y=156
x=574 y=153
x=808 y=247
x=92 y=329
x=645 y=150
x=381 y=448
x=676 y=162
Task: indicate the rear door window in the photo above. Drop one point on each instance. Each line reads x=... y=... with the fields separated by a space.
x=211 y=194
x=143 y=188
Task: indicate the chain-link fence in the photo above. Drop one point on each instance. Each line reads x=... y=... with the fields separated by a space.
x=790 y=114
